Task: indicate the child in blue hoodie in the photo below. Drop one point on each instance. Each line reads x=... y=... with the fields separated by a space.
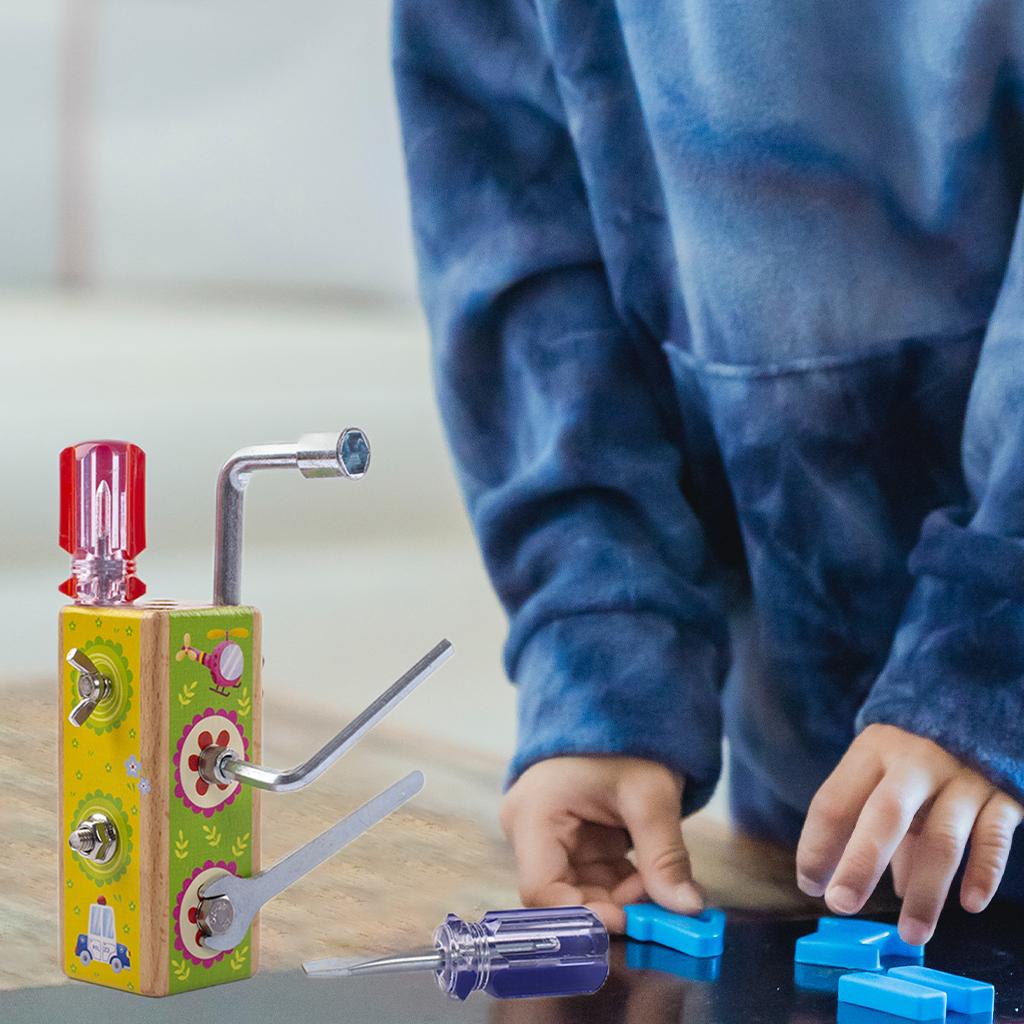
x=727 y=299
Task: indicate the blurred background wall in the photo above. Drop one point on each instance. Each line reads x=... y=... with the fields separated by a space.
x=204 y=244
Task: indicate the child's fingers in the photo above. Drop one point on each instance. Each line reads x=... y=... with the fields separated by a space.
x=630 y=890
x=831 y=819
x=608 y=874
x=598 y=884
x=990 y=846
x=938 y=851
x=613 y=917
x=651 y=814
x=882 y=824
x=545 y=873
x=901 y=863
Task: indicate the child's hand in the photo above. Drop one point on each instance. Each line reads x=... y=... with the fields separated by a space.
x=571 y=822
x=900 y=798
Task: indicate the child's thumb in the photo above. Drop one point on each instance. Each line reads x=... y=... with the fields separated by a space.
x=661 y=856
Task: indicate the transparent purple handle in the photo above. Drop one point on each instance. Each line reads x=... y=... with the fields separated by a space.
x=510 y=954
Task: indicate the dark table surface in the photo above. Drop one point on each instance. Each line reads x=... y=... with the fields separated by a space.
x=753 y=981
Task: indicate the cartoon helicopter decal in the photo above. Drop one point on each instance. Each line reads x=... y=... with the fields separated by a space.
x=225 y=662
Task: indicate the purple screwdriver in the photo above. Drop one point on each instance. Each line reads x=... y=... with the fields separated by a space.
x=510 y=954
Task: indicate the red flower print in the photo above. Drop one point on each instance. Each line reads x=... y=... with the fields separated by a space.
x=205 y=739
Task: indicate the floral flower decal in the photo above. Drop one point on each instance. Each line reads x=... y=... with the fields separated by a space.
x=188 y=939
x=211 y=728
x=144 y=786
x=133 y=766
x=206 y=740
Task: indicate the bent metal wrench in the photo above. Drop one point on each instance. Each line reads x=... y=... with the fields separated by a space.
x=228 y=904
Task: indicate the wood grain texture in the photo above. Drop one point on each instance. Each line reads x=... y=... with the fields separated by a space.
x=257 y=754
x=62 y=938
x=155 y=811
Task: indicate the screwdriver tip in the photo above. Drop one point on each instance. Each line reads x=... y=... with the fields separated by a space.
x=331 y=967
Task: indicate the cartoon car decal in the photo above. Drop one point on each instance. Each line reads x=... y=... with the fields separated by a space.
x=100 y=942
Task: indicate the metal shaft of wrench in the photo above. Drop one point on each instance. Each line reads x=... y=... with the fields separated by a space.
x=245 y=896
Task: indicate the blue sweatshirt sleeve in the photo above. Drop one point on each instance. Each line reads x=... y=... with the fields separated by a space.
x=568 y=464
x=956 y=669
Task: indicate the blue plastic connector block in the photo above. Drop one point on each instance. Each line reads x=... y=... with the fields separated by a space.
x=703 y=935
x=853 y=943
x=814 y=978
x=963 y=995
x=648 y=956
x=850 y=1013
x=892 y=995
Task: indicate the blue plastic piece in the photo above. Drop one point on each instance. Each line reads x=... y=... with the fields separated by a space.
x=813 y=949
x=850 y=1013
x=893 y=995
x=964 y=995
x=868 y=931
x=703 y=935
x=853 y=943
x=818 y=979
x=647 y=956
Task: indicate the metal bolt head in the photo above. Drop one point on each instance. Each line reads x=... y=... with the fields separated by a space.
x=88 y=687
x=215 y=915
x=82 y=840
x=95 y=838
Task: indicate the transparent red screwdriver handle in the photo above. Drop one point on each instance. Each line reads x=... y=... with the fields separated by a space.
x=103 y=520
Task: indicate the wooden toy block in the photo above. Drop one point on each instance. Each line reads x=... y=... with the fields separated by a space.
x=181 y=678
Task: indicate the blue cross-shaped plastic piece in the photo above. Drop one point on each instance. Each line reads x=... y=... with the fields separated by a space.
x=649 y=956
x=703 y=935
x=854 y=943
x=963 y=995
x=893 y=995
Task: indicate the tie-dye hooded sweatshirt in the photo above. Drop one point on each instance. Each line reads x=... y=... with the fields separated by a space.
x=727 y=301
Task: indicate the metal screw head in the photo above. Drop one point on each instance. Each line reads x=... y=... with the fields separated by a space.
x=82 y=840
x=95 y=838
x=215 y=915
x=88 y=687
